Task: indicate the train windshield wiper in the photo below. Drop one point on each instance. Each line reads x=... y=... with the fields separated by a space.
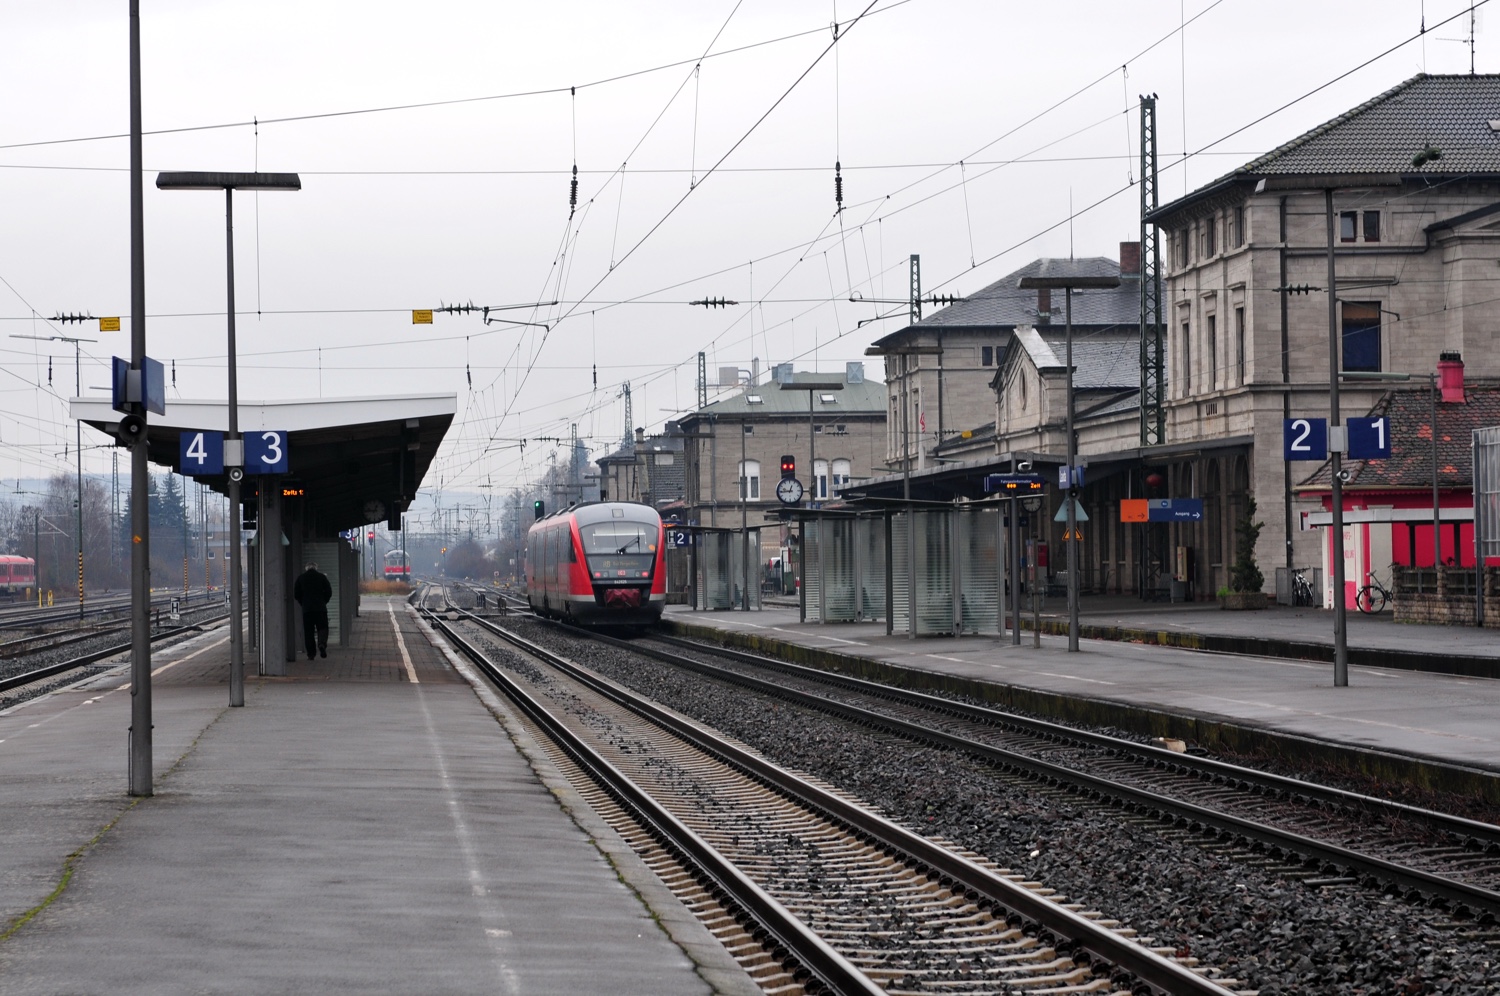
x=627 y=546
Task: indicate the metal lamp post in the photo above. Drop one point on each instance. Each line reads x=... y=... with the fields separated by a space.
x=234 y=452
x=1070 y=275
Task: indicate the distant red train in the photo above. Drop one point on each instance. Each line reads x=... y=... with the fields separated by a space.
x=397 y=566
x=16 y=575
x=600 y=563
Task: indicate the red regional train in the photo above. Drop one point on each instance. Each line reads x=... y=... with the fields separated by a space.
x=16 y=575
x=599 y=563
x=397 y=566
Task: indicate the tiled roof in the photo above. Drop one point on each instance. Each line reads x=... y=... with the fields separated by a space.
x=1003 y=304
x=866 y=398
x=1102 y=360
x=1450 y=113
x=1410 y=464
x=1384 y=134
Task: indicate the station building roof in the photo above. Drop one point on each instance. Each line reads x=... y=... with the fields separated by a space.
x=345 y=453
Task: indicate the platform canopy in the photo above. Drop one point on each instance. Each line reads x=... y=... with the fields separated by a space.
x=356 y=460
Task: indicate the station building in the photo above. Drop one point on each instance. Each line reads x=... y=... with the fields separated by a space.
x=1408 y=183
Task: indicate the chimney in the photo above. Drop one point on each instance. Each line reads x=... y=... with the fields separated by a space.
x=640 y=436
x=1130 y=259
x=1043 y=306
x=1451 y=378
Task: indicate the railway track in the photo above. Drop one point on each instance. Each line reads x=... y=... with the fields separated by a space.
x=1321 y=836
x=31 y=676
x=830 y=895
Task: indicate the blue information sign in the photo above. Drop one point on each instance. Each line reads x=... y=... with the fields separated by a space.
x=1174 y=509
x=1369 y=438
x=201 y=454
x=1304 y=438
x=266 y=452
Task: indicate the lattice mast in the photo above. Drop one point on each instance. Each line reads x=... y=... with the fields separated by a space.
x=629 y=440
x=1153 y=360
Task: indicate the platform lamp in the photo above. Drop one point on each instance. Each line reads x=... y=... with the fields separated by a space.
x=234 y=447
x=1071 y=275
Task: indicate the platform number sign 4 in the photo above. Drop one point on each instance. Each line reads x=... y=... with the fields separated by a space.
x=1370 y=438
x=1304 y=438
x=201 y=453
x=266 y=452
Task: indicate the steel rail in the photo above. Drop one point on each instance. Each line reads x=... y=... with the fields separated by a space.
x=1128 y=955
x=811 y=951
x=1409 y=879
x=17 y=681
x=1459 y=826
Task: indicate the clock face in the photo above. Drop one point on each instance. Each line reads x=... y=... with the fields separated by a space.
x=374 y=510
x=789 y=490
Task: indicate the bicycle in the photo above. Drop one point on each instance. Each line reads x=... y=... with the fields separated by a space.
x=1302 y=590
x=1372 y=597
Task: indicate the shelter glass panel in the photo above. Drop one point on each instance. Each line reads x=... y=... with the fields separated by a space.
x=979 y=562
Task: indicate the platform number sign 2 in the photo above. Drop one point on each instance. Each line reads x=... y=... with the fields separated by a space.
x=1304 y=438
x=266 y=452
x=202 y=453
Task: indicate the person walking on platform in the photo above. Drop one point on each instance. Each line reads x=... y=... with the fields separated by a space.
x=312 y=591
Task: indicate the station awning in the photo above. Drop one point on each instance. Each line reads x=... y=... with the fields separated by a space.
x=356 y=460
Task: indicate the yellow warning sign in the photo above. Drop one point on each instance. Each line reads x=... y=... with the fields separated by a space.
x=109 y=324
x=421 y=317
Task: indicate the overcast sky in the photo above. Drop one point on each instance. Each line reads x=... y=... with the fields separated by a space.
x=705 y=135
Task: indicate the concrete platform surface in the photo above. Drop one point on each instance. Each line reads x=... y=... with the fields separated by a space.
x=348 y=830
x=1444 y=718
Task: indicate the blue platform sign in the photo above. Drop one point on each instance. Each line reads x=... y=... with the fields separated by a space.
x=201 y=454
x=1174 y=509
x=152 y=393
x=1369 y=438
x=1304 y=438
x=266 y=452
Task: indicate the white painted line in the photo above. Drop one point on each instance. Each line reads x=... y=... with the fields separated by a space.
x=940 y=657
x=1074 y=677
x=411 y=672
x=180 y=660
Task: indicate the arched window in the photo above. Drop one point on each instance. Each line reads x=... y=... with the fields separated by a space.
x=841 y=470
x=820 y=480
x=750 y=480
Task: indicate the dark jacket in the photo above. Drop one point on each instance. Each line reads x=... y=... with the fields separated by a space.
x=312 y=591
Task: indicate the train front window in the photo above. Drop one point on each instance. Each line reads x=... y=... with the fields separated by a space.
x=619 y=550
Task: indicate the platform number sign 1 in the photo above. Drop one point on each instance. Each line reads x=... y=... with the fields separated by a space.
x=1370 y=438
x=266 y=452
x=202 y=453
x=1304 y=438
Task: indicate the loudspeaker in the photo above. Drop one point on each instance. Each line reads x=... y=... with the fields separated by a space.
x=132 y=429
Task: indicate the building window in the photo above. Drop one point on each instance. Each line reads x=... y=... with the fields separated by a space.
x=1361 y=335
x=1348 y=220
x=1210 y=237
x=820 y=480
x=1237 y=227
x=1372 y=226
x=1180 y=247
x=986 y=356
x=1239 y=338
x=841 y=470
x=750 y=480
x=1187 y=361
x=1212 y=380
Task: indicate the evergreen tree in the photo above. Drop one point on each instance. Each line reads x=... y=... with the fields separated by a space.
x=1244 y=575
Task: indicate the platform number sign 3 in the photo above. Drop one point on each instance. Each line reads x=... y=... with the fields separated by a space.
x=202 y=453
x=1304 y=438
x=266 y=452
x=1370 y=438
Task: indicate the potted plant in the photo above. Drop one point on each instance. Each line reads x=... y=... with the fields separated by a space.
x=1245 y=578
